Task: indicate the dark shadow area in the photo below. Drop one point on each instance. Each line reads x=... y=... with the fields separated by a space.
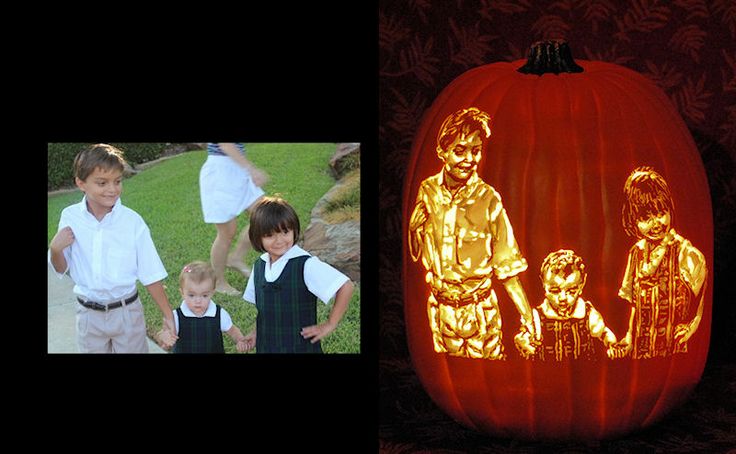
x=721 y=170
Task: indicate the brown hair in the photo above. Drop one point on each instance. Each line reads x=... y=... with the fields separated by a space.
x=464 y=121
x=272 y=214
x=197 y=271
x=99 y=155
x=646 y=193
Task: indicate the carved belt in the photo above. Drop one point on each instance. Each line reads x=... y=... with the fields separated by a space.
x=457 y=300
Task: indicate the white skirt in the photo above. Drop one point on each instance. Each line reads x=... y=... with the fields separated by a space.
x=226 y=189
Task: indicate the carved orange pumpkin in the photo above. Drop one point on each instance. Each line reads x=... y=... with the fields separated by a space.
x=564 y=139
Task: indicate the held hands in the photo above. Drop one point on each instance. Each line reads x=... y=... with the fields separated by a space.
x=242 y=345
x=167 y=337
x=248 y=342
x=525 y=343
x=682 y=333
x=317 y=332
x=620 y=348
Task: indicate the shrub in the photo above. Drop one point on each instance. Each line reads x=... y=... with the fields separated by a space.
x=61 y=158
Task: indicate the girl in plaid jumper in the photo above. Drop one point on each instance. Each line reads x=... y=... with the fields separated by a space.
x=286 y=282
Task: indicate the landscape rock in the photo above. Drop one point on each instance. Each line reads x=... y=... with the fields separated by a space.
x=335 y=243
x=345 y=159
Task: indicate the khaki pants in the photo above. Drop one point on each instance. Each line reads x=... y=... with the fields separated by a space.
x=472 y=331
x=121 y=330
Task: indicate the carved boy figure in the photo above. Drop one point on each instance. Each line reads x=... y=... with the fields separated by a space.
x=460 y=230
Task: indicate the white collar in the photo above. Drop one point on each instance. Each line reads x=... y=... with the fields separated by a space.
x=293 y=252
x=83 y=207
x=210 y=312
x=578 y=312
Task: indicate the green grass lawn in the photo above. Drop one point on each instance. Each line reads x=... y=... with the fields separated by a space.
x=167 y=197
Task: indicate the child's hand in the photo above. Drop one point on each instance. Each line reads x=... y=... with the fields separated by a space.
x=167 y=335
x=165 y=339
x=241 y=345
x=249 y=341
x=620 y=349
x=317 y=332
x=525 y=345
x=171 y=326
x=62 y=239
x=612 y=352
x=682 y=333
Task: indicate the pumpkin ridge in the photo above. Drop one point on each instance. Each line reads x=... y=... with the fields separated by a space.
x=603 y=394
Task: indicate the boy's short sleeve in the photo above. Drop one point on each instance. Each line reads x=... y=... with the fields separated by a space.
x=150 y=267
x=322 y=279
x=506 y=260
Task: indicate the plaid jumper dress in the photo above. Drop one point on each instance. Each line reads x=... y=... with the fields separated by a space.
x=199 y=334
x=285 y=306
x=566 y=339
x=662 y=301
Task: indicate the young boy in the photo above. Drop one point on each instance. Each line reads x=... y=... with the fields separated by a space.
x=565 y=323
x=199 y=321
x=106 y=247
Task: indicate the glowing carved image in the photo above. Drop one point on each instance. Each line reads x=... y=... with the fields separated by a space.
x=565 y=323
x=665 y=274
x=461 y=232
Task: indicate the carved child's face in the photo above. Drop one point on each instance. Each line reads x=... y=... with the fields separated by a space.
x=654 y=226
x=562 y=290
x=462 y=156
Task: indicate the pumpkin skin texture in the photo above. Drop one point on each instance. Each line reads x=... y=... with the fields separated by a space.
x=561 y=149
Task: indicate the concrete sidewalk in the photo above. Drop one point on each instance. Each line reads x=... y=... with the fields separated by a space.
x=62 y=304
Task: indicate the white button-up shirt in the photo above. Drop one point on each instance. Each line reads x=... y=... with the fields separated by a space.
x=321 y=278
x=108 y=256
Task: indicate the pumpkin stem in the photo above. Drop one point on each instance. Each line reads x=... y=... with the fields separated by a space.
x=551 y=56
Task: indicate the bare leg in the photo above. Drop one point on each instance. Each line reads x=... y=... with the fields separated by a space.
x=237 y=258
x=218 y=254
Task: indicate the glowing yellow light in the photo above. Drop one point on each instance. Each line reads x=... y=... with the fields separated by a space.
x=461 y=216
